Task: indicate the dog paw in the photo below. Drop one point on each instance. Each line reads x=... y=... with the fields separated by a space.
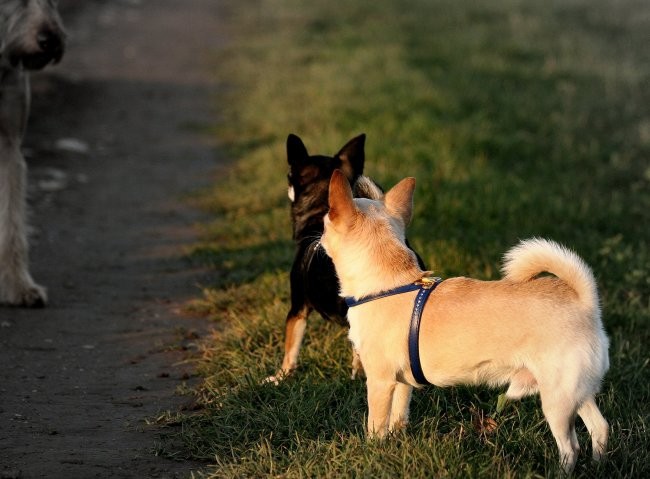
x=30 y=296
x=34 y=297
x=277 y=378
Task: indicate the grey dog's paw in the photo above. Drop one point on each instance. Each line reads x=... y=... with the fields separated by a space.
x=34 y=297
x=29 y=296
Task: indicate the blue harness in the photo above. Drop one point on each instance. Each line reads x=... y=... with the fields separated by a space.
x=424 y=286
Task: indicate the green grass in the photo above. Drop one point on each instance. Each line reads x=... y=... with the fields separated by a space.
x=517 y=118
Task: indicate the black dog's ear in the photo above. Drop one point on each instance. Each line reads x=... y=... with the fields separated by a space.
x=352 y=157
x=296 y=151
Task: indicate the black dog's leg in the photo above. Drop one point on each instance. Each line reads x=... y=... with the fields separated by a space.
x=357 y=367
x=294 y=332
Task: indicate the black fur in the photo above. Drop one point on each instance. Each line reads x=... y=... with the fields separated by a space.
x=314 y=284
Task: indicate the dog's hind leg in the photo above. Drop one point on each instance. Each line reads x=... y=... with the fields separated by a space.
x=560 y=412
x=16 y=284
x=597 y=427
x=522 y=383
x=294 y=333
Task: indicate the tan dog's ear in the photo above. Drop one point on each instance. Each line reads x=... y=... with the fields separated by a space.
x=340 y=198
x=399 y=200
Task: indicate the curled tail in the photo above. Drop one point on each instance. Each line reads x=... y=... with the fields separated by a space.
x=364 y=187
x=534 y=256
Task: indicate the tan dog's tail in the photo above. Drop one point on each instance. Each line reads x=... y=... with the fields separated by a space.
x=534 y=256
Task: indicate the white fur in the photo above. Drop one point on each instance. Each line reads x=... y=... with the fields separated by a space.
x=31 y=36
x=16 y=284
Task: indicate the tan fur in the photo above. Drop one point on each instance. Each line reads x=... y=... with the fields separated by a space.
x=537 y=334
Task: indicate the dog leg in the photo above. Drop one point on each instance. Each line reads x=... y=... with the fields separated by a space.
x=357 y=366
x=293 y=335
x=560 y=414
x=399 y=411
x=597 y=427
x=380 y=396
x=16 y=284
x=522 y=383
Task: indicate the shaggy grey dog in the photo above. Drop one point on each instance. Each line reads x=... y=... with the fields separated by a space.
x=31 y=37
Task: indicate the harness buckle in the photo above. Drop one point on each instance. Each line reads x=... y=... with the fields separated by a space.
x=428 y=282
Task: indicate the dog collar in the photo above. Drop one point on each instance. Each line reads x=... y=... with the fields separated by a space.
x=426 y=282
x=352 y=302
x=424 y=286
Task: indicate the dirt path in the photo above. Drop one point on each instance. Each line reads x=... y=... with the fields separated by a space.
x=78 y=378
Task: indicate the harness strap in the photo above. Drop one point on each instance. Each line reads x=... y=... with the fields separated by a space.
x=414 y=333
x=425 y=286
x=351 y=302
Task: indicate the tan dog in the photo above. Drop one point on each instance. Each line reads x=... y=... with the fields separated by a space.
x=537 y=334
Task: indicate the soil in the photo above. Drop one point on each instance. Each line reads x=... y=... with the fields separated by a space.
x=113 y=146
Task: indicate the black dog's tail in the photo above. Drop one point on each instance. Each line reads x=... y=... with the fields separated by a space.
x=364 y=187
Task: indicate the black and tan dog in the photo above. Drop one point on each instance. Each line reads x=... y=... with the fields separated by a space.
x=314 y=284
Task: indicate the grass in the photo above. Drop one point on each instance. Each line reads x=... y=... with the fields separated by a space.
x=517 y=118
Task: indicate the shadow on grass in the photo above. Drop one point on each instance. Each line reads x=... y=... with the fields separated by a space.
x=307 y=414
x=238 y=420
x=239 y=265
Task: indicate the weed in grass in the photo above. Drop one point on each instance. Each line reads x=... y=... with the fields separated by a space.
x=518 y=119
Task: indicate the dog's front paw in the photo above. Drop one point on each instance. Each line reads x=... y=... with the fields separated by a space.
x=28 y=296
x=34 y=297
x=376 y=434
x=275 y=380
x=278 y=377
